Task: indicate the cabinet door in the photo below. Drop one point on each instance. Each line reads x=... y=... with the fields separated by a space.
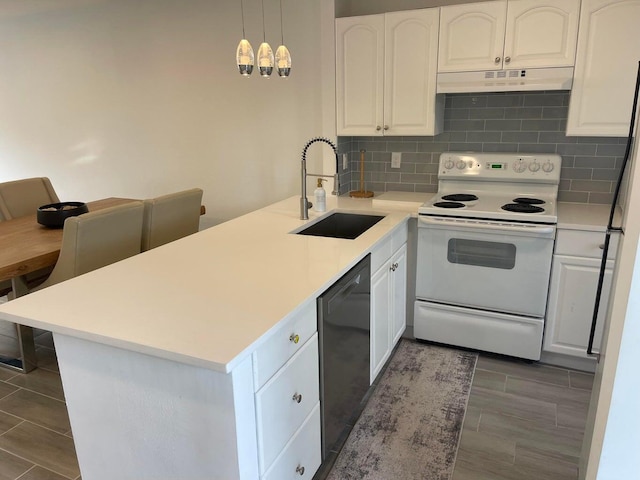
x=411 y=48
x=359 y=74
x=541 y=34
x=380 y=313
x=398 y=294
x=574 y=281
x=606 y=64
x=471 y=36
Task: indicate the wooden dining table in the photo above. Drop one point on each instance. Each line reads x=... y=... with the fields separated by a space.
x=26 y=247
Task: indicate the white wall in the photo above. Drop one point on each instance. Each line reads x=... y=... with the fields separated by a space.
x=140 y=98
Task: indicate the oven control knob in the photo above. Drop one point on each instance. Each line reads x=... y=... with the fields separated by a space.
x=448 y=164
x=548 y=167
x=461 y=164
x=534 y=166
x=519 y=166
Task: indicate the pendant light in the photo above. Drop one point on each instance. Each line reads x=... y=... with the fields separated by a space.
x=283 y=57
x=265 y=54
x=244 y=53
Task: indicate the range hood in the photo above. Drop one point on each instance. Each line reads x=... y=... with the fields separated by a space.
x=557 y=78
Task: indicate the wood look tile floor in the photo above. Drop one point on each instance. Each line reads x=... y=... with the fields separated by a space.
x=35 y=435
x=523 y=422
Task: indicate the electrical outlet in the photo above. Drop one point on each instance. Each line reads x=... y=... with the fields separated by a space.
x=345 y=161
x=396 y=158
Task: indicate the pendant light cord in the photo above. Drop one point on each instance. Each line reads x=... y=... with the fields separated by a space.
x=281 y=25
x=264 y=35
x=242 y=12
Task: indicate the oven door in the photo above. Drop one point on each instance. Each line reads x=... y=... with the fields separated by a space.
x=502 y=267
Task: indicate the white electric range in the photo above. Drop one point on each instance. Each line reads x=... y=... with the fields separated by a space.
x=485 y=244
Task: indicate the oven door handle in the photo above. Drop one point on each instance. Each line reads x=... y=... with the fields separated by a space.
x=547 y=231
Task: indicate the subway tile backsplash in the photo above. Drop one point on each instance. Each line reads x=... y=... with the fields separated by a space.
x=525 y=122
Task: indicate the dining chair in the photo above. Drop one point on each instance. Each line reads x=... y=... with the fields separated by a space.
x=96 y=239
x=170 y=217
x=5 y=286
x=19 y=198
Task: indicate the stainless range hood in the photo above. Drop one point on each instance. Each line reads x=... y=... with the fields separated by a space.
x=558 y=78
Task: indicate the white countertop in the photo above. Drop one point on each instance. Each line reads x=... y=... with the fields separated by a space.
x=210 y=298
x=585 y=216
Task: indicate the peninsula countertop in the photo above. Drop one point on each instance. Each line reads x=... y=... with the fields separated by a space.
x=208 y=299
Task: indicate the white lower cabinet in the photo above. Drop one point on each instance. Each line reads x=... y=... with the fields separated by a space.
x=287 y=400
x=574 y=280
x=388 y=306
x=301 y=457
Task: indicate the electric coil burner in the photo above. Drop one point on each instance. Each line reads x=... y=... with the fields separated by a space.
x=485 y=244
x=530 y=201
x=460 y=197
x=448 y=205
x=522 y=208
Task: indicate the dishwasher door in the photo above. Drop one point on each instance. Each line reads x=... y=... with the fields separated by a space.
x=344 y=331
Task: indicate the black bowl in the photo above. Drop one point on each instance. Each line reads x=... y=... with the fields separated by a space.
x=54 y=214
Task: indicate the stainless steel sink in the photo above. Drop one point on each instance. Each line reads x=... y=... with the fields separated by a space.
x=342 y=225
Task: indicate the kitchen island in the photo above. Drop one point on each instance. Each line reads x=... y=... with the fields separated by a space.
x=162 y=356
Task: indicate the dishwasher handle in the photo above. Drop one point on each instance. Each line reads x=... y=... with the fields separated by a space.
x=341 y=295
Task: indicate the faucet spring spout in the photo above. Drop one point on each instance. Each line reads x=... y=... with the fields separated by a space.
x=304 y=203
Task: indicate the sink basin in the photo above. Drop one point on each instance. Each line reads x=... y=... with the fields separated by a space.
x=342 y=225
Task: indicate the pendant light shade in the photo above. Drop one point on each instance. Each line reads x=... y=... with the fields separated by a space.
x=265 y=54
x=244 y=52
x=265 y=59
x=283 y=61
x=245 y=58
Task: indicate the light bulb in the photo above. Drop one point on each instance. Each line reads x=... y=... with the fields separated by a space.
x=245 y=58
x=283 y=61
x=265 y=59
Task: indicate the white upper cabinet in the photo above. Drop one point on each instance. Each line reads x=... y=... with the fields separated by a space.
x=471 y=36
x=514 y=34
x=359 y=74
x=606 y=65
x=386 y=74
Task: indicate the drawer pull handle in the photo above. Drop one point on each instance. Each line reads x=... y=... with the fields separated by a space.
x=295 y=338
x=300 y=470
x=601 y=246
x=297 y=397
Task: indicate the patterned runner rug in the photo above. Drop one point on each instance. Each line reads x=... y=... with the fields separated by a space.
x=411 y=426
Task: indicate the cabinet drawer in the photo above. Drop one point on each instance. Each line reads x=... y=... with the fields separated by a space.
x=272 y=354
x=285 y=401
x=583 y=243
x=301 y=457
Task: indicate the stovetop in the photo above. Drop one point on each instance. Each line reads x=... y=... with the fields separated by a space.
x=497 y=186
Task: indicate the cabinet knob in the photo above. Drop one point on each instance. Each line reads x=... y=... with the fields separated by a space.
x=601 y=246
x=297 y=397
x=300 y=470
x=497 y=60
x=295 y=338
x=378 y=128
x=507 y=59
x=386 y=127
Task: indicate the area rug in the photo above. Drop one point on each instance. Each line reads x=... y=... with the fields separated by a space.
x=411 y=426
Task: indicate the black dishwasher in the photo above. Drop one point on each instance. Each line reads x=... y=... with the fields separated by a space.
x=344 y=330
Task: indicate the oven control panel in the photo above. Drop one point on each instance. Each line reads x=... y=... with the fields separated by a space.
x=543 y=168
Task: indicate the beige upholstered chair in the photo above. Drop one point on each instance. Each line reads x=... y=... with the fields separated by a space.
x=5 y=287
x=23 y=197
x=97 y=239
x=170 y=217
x=19 y=198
